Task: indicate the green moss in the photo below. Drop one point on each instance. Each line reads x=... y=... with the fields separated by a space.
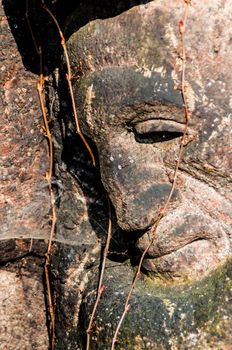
x=167 y=315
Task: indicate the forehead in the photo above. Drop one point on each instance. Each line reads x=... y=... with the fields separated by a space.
x=147 y=37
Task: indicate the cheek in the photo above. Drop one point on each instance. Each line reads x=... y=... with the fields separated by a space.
x=136 y=180
x=181 y=227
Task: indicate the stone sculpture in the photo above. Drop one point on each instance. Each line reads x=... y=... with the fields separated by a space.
x=130 y=104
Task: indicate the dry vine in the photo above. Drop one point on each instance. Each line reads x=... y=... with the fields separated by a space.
x=100 y=283
x=182 y=27
x=49 y=174
x=40 y=88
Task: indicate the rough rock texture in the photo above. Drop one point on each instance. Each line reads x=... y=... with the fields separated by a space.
x=163 y=315
x=24 y=203
x=24 y=200
x=24 y=154
x=128 y=69
x=22 y=311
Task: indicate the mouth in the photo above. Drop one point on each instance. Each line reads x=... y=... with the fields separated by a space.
x=187 y=245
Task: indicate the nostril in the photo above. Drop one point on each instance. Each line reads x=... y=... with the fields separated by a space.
x=123 y=245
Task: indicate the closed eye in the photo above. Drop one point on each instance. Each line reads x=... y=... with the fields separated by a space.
x=154 y=137
x=157 y=130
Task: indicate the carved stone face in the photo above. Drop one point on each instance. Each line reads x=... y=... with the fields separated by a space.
x=130 y=104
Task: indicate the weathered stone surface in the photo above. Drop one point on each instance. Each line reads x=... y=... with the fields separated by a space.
x=128 y=97
x=22 y=310
x=162 y=315
x=24 y=155
x=25 y=213
x=73 y=267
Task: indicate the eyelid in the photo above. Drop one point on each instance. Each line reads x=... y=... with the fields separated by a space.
x=159 y=125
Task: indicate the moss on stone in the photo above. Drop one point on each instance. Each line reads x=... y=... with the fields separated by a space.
x=167 y=315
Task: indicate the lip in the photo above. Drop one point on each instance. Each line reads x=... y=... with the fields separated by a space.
x=179 y=228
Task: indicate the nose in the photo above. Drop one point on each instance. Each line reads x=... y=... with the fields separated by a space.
x=137 y=193
x=139 y=209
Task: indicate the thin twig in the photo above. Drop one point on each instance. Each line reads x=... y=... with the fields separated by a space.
x=69 y=80
x=47 y=130
x=40 y=89
x=100 y=283
x=182 y=26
